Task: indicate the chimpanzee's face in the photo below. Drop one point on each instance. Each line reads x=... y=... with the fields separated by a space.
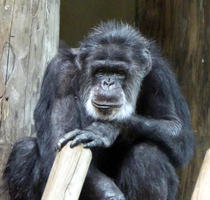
x=113 y=82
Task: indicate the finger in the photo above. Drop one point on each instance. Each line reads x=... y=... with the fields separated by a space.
x=84 y=137
x=95 y=143
x=67 y=137
x=80 y=139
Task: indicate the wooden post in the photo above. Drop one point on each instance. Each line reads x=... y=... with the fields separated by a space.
x=202 y=187
x=29 y=36
x=68 y=173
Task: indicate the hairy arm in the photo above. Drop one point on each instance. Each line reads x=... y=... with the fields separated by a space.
x=56 y=111
x=162 y=115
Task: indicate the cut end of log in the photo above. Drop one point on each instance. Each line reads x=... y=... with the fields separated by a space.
x=68 y=173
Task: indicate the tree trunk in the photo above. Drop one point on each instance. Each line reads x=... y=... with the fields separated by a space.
x=29 y=32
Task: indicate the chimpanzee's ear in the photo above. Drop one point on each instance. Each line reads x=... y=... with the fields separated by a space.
x=82 y=54
x=147 y=55
x=76 y=52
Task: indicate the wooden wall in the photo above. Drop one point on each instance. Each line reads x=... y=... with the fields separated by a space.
x=182 y=29
x=77 y=17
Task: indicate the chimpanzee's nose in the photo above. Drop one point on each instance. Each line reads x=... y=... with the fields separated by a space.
x=107 y=83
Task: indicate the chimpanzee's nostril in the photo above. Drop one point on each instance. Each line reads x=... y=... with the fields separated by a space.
x=108 y=82
x=111 y=83
x=105 y=83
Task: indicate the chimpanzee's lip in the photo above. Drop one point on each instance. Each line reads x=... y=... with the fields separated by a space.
x=106 y=105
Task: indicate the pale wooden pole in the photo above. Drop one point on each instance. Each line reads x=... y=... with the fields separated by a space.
x=68 y=173
x=202 y=187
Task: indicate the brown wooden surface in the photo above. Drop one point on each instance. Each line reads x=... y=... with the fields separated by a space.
x=29 y=33
x=78 y=16
x=202 y=191
x=68 y=173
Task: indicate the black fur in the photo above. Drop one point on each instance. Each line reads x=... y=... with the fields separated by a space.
x=134 y=157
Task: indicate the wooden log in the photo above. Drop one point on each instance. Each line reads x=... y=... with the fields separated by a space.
x=68 y=173
x=29 y=36
x=202 y=187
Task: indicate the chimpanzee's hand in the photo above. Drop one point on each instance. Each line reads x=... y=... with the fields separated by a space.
x=87 y=138
x=98 y=134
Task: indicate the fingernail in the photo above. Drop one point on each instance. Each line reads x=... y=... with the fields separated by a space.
x=58 y=145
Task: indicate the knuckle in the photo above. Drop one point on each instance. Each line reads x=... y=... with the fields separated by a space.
x=77 y=139
x=76 y=132
x=106 y=142
x=81 y=135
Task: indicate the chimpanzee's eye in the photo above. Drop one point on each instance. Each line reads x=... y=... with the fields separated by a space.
x=121 y=72
x=98 y=72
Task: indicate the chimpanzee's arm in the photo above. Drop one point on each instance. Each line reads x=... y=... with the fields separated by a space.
x=56 y=112
x=163 y=116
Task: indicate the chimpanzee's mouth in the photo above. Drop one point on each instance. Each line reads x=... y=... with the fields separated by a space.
x=105 y=105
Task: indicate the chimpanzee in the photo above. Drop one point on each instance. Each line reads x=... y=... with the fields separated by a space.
x=117 y=96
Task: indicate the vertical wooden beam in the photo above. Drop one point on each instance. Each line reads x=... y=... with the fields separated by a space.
x=29 y=32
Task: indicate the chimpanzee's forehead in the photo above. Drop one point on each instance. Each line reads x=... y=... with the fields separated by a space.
x=112 y=52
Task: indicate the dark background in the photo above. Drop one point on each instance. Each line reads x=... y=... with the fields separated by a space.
x=182 y=29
